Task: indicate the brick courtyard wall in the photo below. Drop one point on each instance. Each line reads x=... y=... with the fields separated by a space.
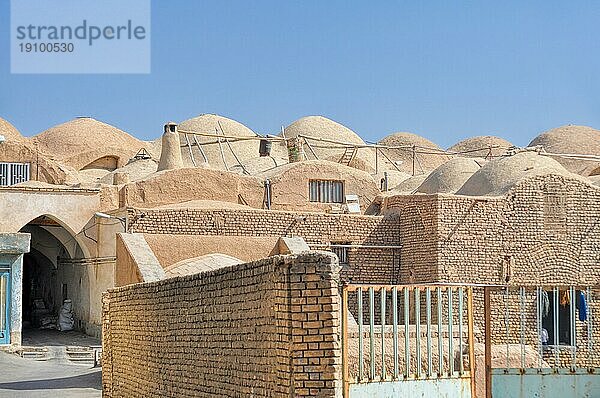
x=417 y=219
x=269 y=328
x=366 y=264
x=545 y=231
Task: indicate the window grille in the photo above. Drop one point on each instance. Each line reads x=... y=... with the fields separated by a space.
x=13 y=173
x=326 y=191
x=341 y=251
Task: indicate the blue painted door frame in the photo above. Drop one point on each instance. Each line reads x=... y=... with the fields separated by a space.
x=5 y=306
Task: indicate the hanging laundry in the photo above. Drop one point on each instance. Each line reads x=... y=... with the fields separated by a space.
x=545 y=303
x=582 y=307
x=564 y=298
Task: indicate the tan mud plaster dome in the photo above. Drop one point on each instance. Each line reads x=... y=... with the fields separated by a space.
x=572 y=139
x=428 y=157
x=498 y=176
x=82 y=141
x=9 y=131
x=485 y=146
x=451 y=176
x=245 y=150
x=323 y=128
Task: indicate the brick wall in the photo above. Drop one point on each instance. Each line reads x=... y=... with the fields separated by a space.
x=366 y=264
x=543 y=232
x=269 y=328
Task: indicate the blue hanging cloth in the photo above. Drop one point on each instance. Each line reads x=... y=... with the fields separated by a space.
x=582 y=307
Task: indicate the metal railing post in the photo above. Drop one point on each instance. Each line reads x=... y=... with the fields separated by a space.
x=418 y=331
x=440 y=339
x=450 y=333
x=360 y=335
x=371 y=333
x=406 y=332
x=382 y=313
x=395 y=328
x=428 y=307
x=346 y=372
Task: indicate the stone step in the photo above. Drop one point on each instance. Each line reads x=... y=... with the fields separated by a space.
x=90 y=355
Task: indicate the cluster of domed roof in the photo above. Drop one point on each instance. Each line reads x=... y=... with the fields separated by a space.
x=417 y=164
x=572 y=140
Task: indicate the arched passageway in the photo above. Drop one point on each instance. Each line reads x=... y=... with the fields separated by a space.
x=51 y=275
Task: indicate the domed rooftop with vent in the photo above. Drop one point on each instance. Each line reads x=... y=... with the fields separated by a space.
x=498 y=176
x=451 y=176
x=319 y=127
x=572 y=139
x=485 y=146
x=84 y=140
x=9 y=131
x=428 y=155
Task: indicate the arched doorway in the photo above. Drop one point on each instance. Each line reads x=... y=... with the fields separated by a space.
x=51 y=276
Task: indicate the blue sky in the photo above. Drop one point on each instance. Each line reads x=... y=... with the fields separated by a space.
x=445 y=71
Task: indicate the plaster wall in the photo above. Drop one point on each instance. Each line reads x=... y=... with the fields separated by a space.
x=72 y=208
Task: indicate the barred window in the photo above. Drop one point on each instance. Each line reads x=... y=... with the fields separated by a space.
x=341 y=251
x=326 y=191
x=13 y=173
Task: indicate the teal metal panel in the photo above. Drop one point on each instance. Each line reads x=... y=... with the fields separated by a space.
x=421 y=388
x=545 y=383
x=4 y=306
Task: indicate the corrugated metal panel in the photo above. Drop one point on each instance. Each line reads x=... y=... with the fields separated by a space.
x=442 y=388
x=545 y=383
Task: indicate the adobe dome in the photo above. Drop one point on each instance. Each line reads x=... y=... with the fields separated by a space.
x=425 y=162
x=498 y=176
x=408 y=186
x=451 y=176
x=83 y=141
x=216 y=124
x=9 y=131
x=572 y=139
x=135 y=170
x=481 y=147
x=322 y=127
x=258 y=165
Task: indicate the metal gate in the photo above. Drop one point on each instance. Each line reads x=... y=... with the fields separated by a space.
x=541 y=342
x=407 y=340
x=13 y=173
x=4 y=306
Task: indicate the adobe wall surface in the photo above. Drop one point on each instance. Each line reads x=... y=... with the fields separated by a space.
x=290 y=184
x=181 y=185
x=417 y=229
x=366 y=264
x=544 y=232
x=41 y=168
x=170 y=249
x=269 y=328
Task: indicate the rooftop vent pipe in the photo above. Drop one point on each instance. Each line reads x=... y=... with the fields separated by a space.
x=170 y=154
